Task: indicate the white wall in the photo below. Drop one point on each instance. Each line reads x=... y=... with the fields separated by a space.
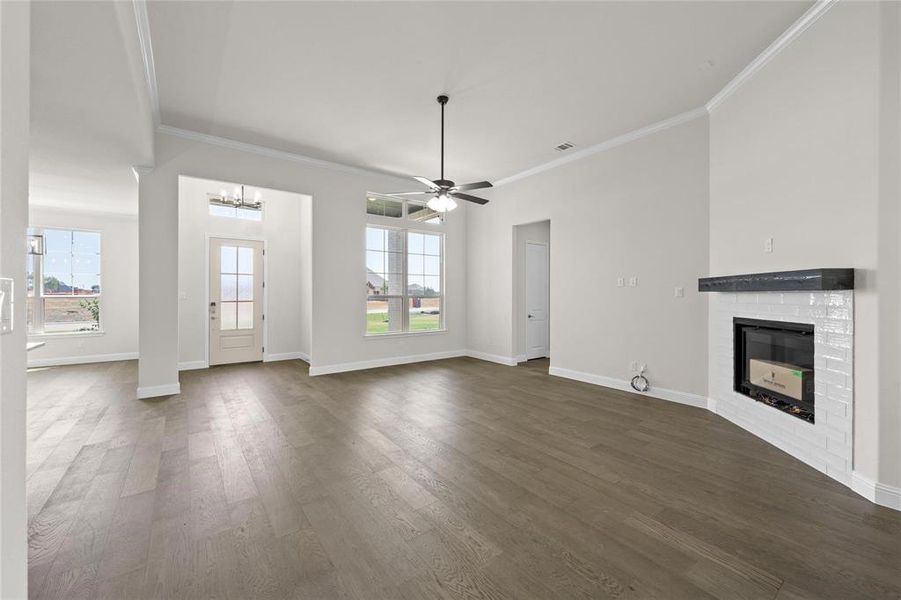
x=285 y=276
x=119 y=281
x=338 y=226
x=637 y=209
x=522 y=234
x=796 y=154
x=14 y=110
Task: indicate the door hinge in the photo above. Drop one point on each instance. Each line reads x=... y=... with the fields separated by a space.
x=264 y=317
x=264 y=284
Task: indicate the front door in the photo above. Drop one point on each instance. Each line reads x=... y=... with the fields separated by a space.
x=236 y=301
x=537 y=300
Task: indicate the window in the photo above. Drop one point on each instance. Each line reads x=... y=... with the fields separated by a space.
x=235 y=212
x=63 y=284
x=403 y=281
x=395 y=208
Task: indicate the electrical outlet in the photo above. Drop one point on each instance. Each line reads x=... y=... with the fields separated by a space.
x=620 y=282
x=768 y=245
x=633 y=366
x=679 y=292
x=633 y=281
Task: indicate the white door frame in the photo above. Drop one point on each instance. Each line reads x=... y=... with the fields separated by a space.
x=525 y=314
x=206 y=291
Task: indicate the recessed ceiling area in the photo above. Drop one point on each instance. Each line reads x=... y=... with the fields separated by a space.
x=90 y=118
x=356 y=82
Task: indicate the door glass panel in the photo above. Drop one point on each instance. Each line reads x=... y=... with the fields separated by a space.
x=245 y=315
x=229 y=259
x=245 y=260
x=228 y=316
x=229 y=287
x=245 y=287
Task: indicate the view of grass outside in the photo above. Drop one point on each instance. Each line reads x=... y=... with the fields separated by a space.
x=426 y=317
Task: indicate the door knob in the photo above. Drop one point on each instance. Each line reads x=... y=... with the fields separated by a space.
x=530 y=316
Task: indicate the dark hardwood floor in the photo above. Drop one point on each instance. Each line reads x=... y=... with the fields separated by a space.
x=451 y=479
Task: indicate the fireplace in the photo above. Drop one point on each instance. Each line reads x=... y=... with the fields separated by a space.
x=774 y=364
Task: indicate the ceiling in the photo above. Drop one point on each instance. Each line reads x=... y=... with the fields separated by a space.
x=90 y=118
x=356 y=82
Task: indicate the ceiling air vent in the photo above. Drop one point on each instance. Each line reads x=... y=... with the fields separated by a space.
x=564 y=146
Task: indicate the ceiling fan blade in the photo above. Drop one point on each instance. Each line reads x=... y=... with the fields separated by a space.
x=467 y=197
x=409 y=193
x=472 y=186
x=426 y=182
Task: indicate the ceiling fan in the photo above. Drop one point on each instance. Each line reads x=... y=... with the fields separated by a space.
x=444 y=191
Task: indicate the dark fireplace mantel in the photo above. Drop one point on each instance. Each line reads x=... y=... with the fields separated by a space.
x=807 y=280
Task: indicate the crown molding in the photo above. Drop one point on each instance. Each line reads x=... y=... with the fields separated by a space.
x=215 y=140
x=788 y=36
x=609 y=144
x=83 y=209
x=143 y=22
x=138 y=170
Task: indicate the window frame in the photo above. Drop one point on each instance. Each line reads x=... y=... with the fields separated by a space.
x=37 y=300
x=379 y=222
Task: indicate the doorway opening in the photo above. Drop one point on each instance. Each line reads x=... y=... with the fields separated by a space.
x=531 y=302
x=244 y=273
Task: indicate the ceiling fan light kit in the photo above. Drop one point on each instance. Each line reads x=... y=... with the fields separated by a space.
x=445 y=192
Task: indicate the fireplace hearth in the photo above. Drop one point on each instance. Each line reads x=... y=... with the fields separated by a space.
x=774 y=365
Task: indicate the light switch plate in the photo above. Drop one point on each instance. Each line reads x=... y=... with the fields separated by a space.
x=679 y=292
x=620 y=282
x=6 y=305
x=633 y=281
x=768 y=245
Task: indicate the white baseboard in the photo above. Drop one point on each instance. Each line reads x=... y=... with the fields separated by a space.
x=520 y=358
x=383 y=362
x=621 y=384
x=879 y=493
x=495 y=358
x=155 y=391
x=287 y=356
x=81 y=360
x=192 y=365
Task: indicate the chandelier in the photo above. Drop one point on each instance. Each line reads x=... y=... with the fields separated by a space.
x=237 y=199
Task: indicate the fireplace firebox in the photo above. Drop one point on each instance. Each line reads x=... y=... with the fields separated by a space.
x=774 y=364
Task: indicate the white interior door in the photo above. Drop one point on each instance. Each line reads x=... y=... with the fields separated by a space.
x=537 y=300
x=236 y=301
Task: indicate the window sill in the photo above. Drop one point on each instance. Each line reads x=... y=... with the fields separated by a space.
x=397 y=334
x=66 y=334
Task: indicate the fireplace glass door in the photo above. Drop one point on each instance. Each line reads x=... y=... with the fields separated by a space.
x=774 y=364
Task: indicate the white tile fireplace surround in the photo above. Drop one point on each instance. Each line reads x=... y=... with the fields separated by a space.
x=827 y=444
